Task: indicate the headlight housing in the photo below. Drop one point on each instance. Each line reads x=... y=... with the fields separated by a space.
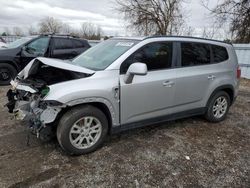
x=52 y=103
x=45 y=91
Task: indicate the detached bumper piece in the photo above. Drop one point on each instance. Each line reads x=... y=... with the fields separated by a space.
x=43 y=132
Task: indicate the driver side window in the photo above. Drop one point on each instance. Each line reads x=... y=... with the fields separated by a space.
x=38 y=46
x=157 y=55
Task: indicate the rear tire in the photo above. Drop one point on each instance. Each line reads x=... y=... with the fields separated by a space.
x=218 y=107
x=82 y=130
x=7 y=73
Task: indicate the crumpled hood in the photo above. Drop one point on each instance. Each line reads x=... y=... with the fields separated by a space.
x=53 y=63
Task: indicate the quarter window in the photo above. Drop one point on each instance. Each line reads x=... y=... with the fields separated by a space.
x=156 y=55
x=220 y=53
x=194 y=54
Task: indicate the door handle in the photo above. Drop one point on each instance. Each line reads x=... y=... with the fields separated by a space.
x=211 y=77
x=168 y=83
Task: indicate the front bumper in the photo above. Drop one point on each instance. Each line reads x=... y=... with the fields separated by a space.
x=44 y=116
x=30 y=110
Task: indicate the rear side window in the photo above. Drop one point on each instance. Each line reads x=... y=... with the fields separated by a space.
x=220 y=53
x=195 y=54
x=157 y=55
x=61 y=43
x=78 y=44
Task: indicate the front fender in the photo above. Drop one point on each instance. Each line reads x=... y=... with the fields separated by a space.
x=107 y=103
x=99 y=88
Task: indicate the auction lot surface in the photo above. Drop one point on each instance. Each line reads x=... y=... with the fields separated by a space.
x=184 y=153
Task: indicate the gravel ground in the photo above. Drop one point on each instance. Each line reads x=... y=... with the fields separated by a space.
x=184 y=153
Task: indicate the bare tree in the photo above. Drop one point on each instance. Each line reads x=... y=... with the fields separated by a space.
x=236 y=13
x=149 y=17
x=32 y=30
x=50 y=25
x=185 y=30
x=189 y=31
x=66 y=28
x=17 y=31
x=209 y=32
x=91 y=31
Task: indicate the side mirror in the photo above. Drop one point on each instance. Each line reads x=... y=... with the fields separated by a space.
x=23 y=51
x=24 y=48
x=135 y=69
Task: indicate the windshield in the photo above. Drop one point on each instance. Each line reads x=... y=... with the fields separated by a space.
x=102 y=55
x=18 y=42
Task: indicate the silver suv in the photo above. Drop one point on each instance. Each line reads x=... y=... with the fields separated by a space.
x=124 y=83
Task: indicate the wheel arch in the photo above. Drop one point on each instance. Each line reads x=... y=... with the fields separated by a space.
x=229 y=89
x=14 y=64
x=105 y=107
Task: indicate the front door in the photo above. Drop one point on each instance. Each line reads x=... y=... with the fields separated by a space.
x=152 y=95
x=36 y=48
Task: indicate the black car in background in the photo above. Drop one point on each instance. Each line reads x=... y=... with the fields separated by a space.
x=19 y=53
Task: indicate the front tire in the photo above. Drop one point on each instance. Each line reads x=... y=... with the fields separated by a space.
x=82 y=130
x=7 y=73
x=218 y=107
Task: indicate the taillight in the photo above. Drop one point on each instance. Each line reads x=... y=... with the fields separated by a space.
x=238 y=72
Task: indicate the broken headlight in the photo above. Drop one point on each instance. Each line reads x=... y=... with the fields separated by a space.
x=44 y=104
x=45 y=91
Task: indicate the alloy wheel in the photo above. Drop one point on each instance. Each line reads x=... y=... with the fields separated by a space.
x=4 y=74
x=220 y=107
x=85 y=132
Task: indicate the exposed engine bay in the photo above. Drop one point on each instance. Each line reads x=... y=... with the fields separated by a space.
x=26 y=97
x=46 y=75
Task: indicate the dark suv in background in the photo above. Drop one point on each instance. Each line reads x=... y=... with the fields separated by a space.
x=16 y=55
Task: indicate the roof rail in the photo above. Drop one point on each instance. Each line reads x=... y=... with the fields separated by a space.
x=158 y=36
x=59 y=34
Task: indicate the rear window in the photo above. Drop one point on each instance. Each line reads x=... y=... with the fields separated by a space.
x=194 y=54
x=220 y=53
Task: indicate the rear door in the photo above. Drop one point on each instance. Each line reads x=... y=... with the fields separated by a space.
x=63 y=48
x=194 y=75
x=152 y=95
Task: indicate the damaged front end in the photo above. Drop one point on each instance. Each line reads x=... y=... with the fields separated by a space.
x=29 y=89
x=27 y=104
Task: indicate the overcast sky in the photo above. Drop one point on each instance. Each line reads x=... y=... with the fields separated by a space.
x=24 y=13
